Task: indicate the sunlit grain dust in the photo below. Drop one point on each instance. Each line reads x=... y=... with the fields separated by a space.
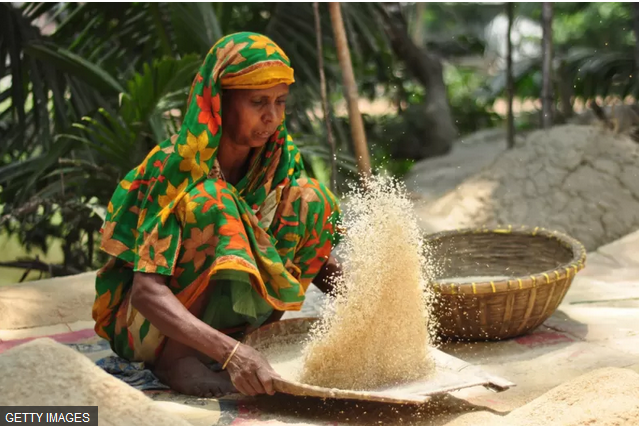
x=376 y=332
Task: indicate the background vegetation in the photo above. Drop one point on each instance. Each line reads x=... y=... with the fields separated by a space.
x=87 y=89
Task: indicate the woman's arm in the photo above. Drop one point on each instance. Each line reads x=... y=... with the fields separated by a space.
x=250 y=372
x=157 y=303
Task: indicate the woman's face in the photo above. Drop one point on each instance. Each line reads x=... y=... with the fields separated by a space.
x=250 y=117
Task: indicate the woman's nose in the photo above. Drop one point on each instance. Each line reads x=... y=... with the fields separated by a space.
x=269 y=114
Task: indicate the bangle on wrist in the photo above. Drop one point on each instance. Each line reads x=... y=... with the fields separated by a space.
x=230 y=356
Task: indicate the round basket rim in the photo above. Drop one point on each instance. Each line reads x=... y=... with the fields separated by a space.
x=566 y=270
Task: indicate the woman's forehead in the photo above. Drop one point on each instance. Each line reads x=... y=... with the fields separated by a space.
x=275 y=91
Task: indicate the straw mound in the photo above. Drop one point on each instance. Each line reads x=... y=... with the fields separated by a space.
x=44 y=372
x=581 y=180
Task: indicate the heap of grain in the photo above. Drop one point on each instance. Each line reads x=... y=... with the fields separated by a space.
x=603 y=397
x=575 y=179
x=376 y=331
x=46 y=373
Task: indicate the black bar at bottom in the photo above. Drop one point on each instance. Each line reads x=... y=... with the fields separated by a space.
x=30 y=416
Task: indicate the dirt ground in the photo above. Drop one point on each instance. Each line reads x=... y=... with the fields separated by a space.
x=596 y=327
x=577 y=179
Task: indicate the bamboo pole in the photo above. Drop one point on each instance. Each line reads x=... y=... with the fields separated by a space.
x=350 y=91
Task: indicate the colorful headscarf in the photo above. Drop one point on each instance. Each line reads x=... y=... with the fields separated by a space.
x=143 y=224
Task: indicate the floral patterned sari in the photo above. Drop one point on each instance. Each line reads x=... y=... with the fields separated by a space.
x=260 y=242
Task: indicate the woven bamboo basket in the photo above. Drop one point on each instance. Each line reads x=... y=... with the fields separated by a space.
x=539 y=265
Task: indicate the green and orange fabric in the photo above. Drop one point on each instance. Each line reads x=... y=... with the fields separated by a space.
x=174 y=215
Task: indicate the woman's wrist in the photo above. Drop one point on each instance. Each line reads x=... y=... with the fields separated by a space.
x=228 y=358
x=214 y=344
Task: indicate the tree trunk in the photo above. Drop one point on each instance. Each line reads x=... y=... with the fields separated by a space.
x=428 y=70
x=510 y=83
x=418 y=27
x=635 y=26
x=546 y=89
x=350 y=91
x=565 y=85
x=327 y=117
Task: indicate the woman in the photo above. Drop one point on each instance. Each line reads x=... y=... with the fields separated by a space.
x=215 y=231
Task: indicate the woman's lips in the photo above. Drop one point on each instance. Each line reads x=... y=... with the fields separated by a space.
x=264 y=134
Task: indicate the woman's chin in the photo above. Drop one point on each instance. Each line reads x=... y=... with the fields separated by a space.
x=251 y=143
x=258 y=142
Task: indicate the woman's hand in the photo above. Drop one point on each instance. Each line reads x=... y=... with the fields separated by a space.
x=250 y=372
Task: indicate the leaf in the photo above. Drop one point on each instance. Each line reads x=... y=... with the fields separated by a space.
x=18 y=169
x=75 y=65
x=195 y=25
x=39 y=9
x=163 y=78
x=161 y=30
x=11 y=32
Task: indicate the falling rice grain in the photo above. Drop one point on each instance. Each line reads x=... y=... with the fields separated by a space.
x=376 y=331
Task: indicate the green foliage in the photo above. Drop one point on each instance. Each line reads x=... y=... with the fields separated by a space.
x=457 y=29
x=87 y=100
x=594 y=44
x=84 y=100
x=601 y=25
x=75 y=179
x=470 y=112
